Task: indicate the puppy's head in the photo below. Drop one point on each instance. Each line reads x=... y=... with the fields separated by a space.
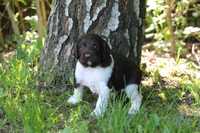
x=93 y=51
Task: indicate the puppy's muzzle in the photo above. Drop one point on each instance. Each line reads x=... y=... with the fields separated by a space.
x=88 y=58
x=87 y=55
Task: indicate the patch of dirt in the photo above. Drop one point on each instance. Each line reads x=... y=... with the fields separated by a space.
x=7 y=55
x=189 y=111
x=163 y=72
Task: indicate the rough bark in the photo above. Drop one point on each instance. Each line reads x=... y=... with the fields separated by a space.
x=120 y=22
x=12 y=18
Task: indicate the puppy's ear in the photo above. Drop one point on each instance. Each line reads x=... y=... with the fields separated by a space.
x=105 y=54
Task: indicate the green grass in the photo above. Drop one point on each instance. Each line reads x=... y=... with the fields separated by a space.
x=23 y=108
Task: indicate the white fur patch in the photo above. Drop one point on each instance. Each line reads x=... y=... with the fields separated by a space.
x=91 y=77
x=135 y=97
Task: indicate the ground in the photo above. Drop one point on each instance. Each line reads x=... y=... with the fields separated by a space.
x=170 y=89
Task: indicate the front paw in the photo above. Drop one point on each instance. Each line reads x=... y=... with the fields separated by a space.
x=96 y=113
x=73 y=100
x=132 y=112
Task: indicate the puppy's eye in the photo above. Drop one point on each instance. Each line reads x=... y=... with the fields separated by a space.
x=94 y=45
x=84 y=44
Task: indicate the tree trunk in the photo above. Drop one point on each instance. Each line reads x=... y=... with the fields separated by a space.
x=120 y=22
x=12 y=18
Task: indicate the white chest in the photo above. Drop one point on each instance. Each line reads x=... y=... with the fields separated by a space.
x=91 y=77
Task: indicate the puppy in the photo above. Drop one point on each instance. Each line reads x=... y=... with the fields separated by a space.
x=99 y=69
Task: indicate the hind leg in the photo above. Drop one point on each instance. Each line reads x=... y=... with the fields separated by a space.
x=134 y=96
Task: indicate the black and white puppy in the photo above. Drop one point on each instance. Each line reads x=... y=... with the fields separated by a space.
x=99 y=69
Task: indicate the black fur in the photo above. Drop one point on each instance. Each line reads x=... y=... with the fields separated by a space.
x=125 y=72
x=97 y=48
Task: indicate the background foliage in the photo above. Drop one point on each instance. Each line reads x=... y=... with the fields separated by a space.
x=170 y=86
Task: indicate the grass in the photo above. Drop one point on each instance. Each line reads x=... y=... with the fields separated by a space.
x=171 y=104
